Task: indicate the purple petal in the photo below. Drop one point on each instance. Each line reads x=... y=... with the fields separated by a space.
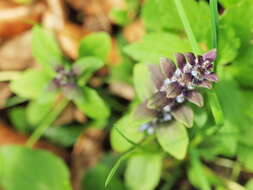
x=174 y=89
x=211 y=77
x=210 y=56
x=168 y=67
x=156 y=75
x=190 y=58
x=195 y=97
x=186 y=78
x=181 y=61
x=184 y=115
x=205 y=84
x=158 y=101
x=143 y=112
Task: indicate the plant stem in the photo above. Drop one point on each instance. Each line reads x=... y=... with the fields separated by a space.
x=9 y=75
x=47 y=122
x=214 y=22
x=214 y=25
x=187 y=26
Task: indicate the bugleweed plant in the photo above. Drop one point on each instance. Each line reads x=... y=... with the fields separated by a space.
x=58 y=82
x=160 y=137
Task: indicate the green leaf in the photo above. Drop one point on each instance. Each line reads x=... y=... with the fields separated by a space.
x=153 y=46
x=63 y=135
x=130 y=129
x=17 y=116
x=23 y=168
x=95 y=178
x=38 y=109
x=96 y=44
x=119 y=16
x=92 y=104
x=245 y=155
x=197 y=174
x=228 y=45
x=45 y=49
x=229 y=3
x=86 y=67
x=31 y=83
x=143 y=171
x=166 y=16
x=174 y=139
x=216 y=108
x=249 y=185
x=142 y=82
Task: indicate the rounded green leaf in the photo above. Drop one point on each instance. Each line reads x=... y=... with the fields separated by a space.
x=174 y=139
x=85 y=67
x=143 y=171
x=92 y=104
x=96 y=44
x=129 y=129
x=45 y=48
x=28 y=169
x=31 y=83
x=142 y=82
x=95 y=179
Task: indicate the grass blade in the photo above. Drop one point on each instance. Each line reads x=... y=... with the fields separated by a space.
x=117 y=165
x=187 y=26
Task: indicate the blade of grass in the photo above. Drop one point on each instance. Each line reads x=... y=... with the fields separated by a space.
x=114 y=169
x=212 y=96
x=47 y=122
x=187 y=27
x=214 y=22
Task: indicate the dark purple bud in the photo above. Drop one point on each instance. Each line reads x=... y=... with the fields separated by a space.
x=168 y=67
x=173 y=90
x=195 y=97
x=210 y=56
x=181 y=61
x=190 y=58
x=156 y=75
x=184 y=115
x=200 y=60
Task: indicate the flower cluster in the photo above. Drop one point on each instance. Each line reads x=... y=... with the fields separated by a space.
x=174 y=85
x=64 y=80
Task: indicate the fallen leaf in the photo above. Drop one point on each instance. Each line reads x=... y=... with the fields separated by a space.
x=15 y=20
x=5 y=93
x=10 y=59
x=134 y=31
x=86 y=153
x=122 y=90
x=69 y=39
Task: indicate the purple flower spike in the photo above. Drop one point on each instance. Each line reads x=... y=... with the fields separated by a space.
x=175 y=86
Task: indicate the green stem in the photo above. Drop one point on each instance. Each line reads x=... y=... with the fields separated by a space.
x=214 y=22
x=9 y=75
x=187 y=26
x=47 y=122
